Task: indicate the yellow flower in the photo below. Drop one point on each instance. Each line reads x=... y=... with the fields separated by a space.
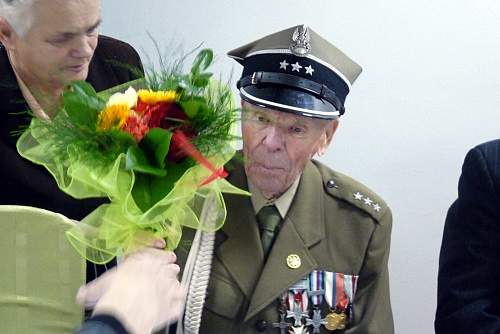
x=113 y=116
x=152 y=97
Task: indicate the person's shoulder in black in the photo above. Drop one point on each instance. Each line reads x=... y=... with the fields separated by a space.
x=469 y=264
x=114 y=62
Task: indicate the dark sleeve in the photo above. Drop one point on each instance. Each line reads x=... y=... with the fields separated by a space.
x=114 y=62
x=102 y=324
x=469 y=269
x=122 y=57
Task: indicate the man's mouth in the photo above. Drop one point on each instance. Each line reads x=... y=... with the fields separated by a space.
x=267 y=167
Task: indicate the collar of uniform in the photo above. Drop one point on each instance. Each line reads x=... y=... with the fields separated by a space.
x=282 y=203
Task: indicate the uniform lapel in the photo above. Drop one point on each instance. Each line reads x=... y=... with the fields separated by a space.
x=303 y=227
x=241 y=252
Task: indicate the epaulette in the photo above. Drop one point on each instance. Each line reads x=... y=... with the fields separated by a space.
x=351 y=191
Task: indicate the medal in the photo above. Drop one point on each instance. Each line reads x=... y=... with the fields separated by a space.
x=297 y=314
x=336 y=321
x=298 y=302
x=282 y=309
x=339 y=291
x=298 y=330
x=316 y=292
x=282 y=325
x=316 y=321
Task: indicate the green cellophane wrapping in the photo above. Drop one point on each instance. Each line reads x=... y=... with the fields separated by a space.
x=121 y=226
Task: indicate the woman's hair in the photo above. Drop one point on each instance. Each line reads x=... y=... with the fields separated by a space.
x=18 y=13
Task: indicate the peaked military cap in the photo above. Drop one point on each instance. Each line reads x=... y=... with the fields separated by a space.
x=296 y=70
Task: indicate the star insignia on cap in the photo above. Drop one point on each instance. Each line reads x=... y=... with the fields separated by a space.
x=376 y=207
x=283 y=65
x=309 y=70
x=368 y=201
x=358 y=196
x=296 y=67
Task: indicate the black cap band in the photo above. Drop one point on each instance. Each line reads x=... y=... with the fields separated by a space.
x=309 y=86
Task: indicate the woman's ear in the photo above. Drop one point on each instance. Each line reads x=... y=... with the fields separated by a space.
x=7 y=34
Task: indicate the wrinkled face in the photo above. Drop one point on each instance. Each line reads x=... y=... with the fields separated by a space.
x=277 y=146
x=60 y=43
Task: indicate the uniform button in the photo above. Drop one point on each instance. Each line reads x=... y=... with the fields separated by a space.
x=331 y=184
x=261 y=325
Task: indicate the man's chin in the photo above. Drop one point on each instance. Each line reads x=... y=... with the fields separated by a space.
x=267 y=185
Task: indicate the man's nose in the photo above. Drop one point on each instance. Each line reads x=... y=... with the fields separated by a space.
x=274 y=138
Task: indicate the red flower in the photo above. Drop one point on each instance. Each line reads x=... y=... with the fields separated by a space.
x=165 y=115
x=177 y=149
x=141 y=106
x=136 y=126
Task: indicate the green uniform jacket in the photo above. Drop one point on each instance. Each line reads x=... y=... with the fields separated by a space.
x=329 y=227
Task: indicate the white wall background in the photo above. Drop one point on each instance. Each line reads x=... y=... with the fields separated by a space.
x=430 y=90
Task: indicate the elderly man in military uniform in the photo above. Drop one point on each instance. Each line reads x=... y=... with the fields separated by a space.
x=308 y=251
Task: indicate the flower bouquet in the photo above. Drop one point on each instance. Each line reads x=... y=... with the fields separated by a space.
x=156 y=150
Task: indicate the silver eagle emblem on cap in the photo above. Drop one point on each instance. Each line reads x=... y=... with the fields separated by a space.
x=300 y=45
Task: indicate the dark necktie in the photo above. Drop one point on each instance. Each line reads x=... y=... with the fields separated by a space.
x=268 y=219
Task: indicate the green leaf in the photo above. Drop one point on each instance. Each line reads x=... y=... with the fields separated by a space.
x=122 y=137
x=141 y=191
x=202 y=61
x=156 y=144
x=201 y=80
x=82 y=103
x=137 y=160
x=192 y=106
x=149 y=190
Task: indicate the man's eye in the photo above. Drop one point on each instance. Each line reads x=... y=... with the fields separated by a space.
x=262 y=119
x=297 y=130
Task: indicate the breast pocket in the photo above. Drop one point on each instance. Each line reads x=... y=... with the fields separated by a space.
x=223 y=304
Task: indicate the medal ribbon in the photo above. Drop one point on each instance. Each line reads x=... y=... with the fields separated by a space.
x=298 y=298
x=298 y=294
x=350 y=284
x=330 y=291
x=342 y=299
x=354 y=284
x=316 y=287
x=348 y=288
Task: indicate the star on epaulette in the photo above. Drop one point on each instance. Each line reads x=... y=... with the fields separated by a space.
x=367 y=201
